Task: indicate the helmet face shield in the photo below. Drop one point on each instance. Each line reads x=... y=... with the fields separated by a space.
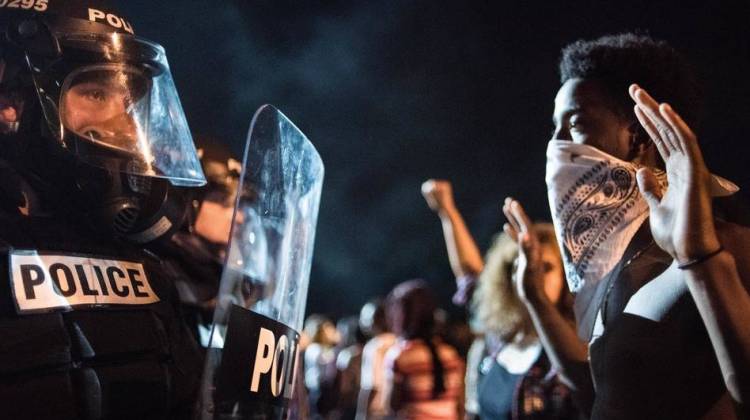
x=118 y=99
x=109 y=106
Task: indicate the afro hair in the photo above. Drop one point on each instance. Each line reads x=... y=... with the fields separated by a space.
x=619 y=60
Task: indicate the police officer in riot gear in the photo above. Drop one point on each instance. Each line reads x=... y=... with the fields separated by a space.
x=199 y=247
x=94 y=153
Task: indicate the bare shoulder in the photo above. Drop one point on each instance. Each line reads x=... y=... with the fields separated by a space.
x=447 y=351
x=735 y=238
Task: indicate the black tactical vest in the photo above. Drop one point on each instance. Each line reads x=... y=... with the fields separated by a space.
x=93 y=361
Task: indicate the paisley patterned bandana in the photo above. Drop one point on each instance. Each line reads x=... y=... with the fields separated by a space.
x=597 y=208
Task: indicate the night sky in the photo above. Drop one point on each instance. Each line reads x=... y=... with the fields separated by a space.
x=393 y=93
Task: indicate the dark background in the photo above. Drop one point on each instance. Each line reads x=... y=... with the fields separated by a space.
x=392 y=93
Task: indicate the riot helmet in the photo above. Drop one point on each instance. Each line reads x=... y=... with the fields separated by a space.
x=100 y=124
x=205 y=234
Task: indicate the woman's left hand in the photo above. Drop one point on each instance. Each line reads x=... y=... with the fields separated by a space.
x=681 y=218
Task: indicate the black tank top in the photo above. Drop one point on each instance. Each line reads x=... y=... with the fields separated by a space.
x=645 y=369
x=92 y=363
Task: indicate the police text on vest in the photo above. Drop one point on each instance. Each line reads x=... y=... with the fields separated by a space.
x=43 y=281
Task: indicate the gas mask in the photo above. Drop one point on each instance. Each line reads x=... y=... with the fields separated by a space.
x=113 y=132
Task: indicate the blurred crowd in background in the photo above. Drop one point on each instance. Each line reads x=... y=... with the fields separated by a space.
x=402 y=356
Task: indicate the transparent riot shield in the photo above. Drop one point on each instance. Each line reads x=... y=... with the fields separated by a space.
x=252 y=362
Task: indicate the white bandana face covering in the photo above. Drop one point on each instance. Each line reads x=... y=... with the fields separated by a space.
x=597 y=208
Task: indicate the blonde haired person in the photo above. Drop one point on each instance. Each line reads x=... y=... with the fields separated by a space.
x=508 y=375
x=496 y=305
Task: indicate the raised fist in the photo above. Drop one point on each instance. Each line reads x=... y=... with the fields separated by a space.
x=438 y=193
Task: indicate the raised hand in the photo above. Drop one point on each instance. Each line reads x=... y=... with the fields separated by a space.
x=681 y=218
x=528 y=276
x=439 y=194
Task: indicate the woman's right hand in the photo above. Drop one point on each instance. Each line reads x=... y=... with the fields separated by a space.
x=528 y=275
x=439 y=194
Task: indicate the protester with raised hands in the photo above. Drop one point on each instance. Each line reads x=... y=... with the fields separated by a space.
x=556 y=331
x=708 y=251
x=658 y=279
x=508 y=375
